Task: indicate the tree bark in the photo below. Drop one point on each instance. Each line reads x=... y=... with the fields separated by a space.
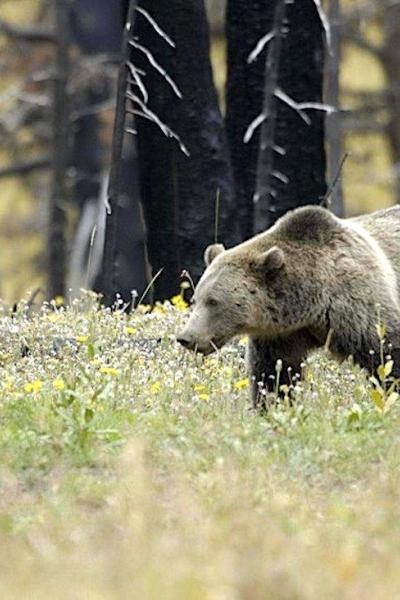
x=301 y=78
x=61 y=155
x=247 y=22
x=179 y=192
x=110 y=259
x=334 y=134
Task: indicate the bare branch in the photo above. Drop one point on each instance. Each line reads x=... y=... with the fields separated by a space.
x=325 y=24
x=325 y=201
x=155 y=26
x=25 y=167
x=95 y=109
x=280 y=94
x=260 y=47
x=27 y=34
x=151 y=116
x=253 y=126
x=300 y=107
x=157 y=66
x=138 y=80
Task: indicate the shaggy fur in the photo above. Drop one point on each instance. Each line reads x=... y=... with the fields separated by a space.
x=309 y=276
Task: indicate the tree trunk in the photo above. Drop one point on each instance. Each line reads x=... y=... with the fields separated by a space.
x=179 y=192
x=110 y=259
x=61 y=154
x=247 y=22
x=298 y=176
x=334 y=134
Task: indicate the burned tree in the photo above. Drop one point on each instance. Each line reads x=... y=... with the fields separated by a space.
x=110 y=261
x=61 y=154
x=180 y=188
x=289 y=145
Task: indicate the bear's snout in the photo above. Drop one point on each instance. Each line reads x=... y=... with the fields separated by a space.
x=191 y=342
x=186 y=341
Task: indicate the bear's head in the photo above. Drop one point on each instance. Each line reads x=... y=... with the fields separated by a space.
x=237 y=294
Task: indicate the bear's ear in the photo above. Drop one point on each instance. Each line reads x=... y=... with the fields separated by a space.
x=212 y=252
x=271 y=261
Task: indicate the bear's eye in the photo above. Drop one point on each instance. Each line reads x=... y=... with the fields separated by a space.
x=212 y=302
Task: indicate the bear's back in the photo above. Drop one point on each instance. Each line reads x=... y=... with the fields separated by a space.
x=384 y=227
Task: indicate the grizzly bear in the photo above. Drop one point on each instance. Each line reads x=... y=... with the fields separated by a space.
x=310 y=278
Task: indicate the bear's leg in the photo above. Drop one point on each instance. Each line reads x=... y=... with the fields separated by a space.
x=262 y=357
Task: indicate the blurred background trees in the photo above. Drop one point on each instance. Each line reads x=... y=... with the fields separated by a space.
x=366 y=60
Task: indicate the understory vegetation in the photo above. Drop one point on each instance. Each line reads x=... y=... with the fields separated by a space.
x=131 y=468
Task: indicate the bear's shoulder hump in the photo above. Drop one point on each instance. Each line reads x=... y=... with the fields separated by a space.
x=308 y=223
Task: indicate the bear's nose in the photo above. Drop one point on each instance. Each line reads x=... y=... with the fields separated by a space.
x=185 y=341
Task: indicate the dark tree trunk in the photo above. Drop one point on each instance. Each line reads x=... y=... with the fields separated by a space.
x=179 y=192
x=300 y=77
x=61 y=155
x=247 y=22
x=111 y=255
x=334 y=134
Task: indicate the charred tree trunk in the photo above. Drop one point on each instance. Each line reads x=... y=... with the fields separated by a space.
x=110 y=259
x=296 y=177
x=334 y=134
x=61 y=154
x=247 y=22
x=179 y=192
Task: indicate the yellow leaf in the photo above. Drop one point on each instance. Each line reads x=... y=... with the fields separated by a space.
x=381 y=372
x=377 y=399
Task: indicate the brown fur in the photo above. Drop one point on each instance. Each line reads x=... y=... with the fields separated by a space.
x=287 y=288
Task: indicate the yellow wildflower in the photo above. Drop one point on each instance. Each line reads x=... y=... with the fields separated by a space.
x=199 y=387
x=81 y=339
x=179 y=302
x=33 y=387
x=143 y=308
x=156 y=387
x=243 y=383
x=130 y=330
x=160 y=308
x=59 y=301
x=204 y=397
x=58 y=384
x=109 y=371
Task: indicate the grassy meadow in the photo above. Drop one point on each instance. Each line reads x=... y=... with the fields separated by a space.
x=130 y=468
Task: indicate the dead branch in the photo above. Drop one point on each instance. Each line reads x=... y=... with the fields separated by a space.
x=25 y=167
x=35 y=34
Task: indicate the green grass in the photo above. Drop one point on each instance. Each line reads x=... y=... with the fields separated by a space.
x=130 y=468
